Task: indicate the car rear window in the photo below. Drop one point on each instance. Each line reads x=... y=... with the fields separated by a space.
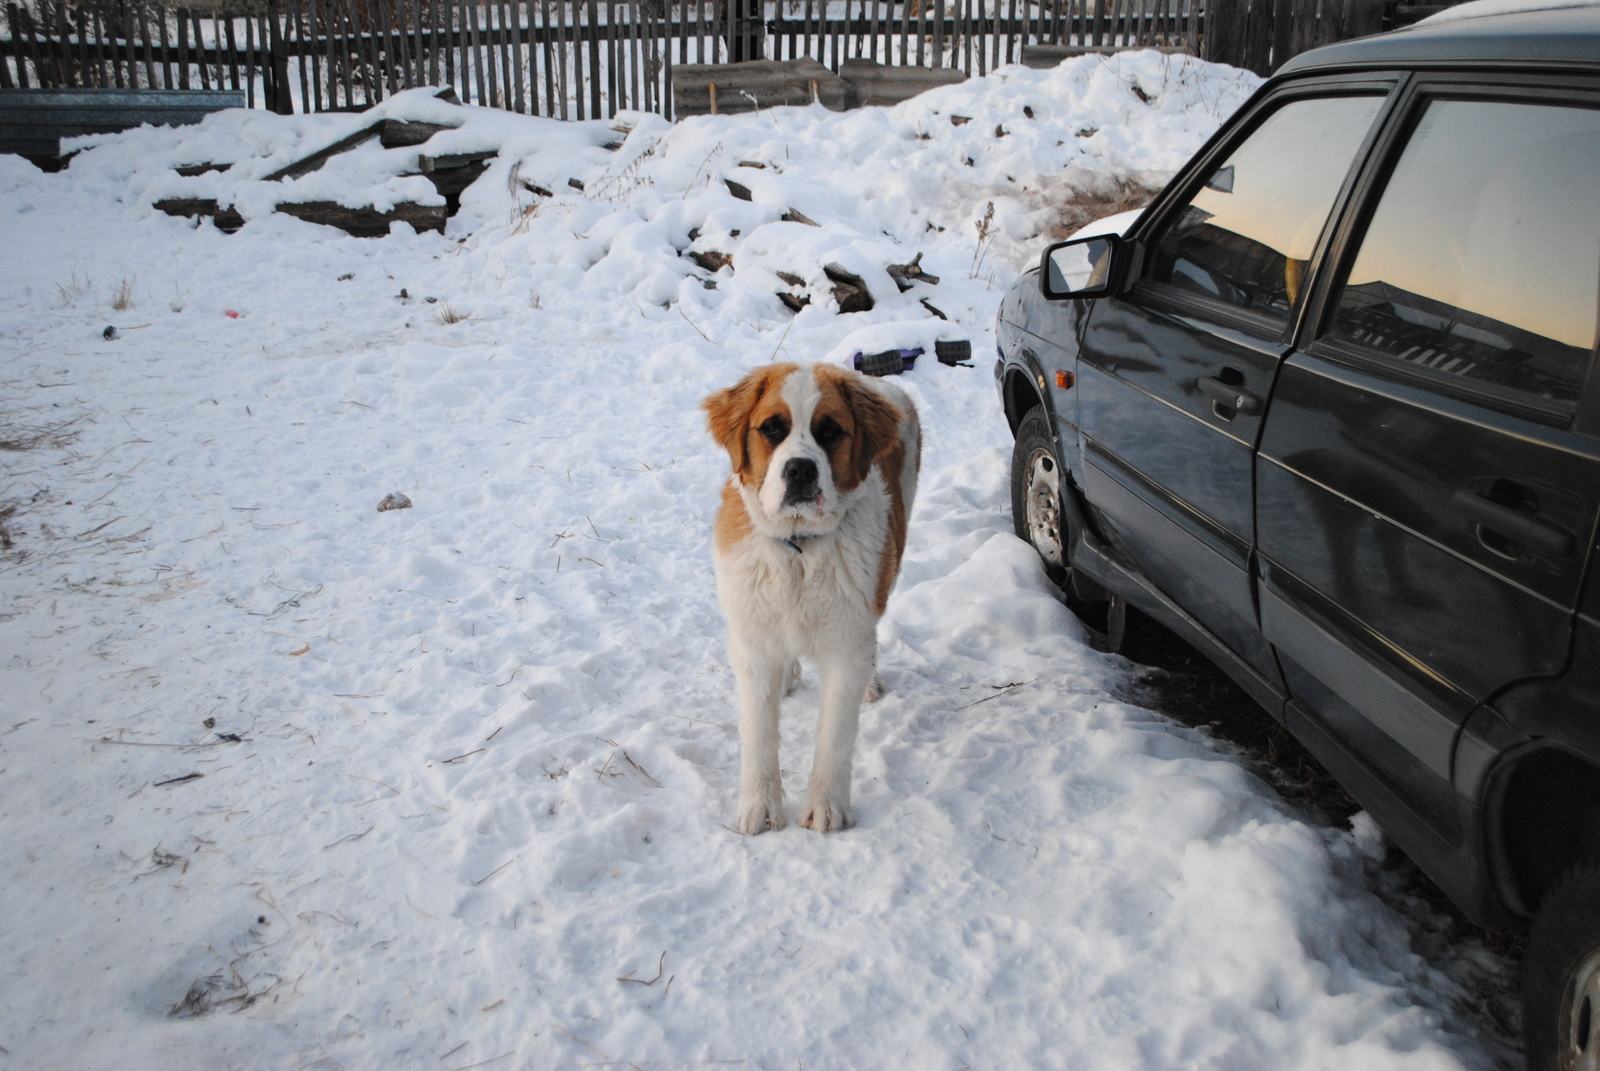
x=1482 y=259
x=1246 y=236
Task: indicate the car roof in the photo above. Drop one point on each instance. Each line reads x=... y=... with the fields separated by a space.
x=1563 y=37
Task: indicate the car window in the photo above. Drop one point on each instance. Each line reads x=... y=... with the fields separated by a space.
x=1482 y=259
x=1245 y=238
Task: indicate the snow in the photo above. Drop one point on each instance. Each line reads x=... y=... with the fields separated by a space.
x=1479 y=8
x=466 y=769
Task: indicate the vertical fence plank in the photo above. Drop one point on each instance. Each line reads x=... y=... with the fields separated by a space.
x=595 y=83
x=149 y=55
x=402 y=45
x=5 y=64
x=166 y=57
x=316 y=57
x=233 y=56
x=545 y=33
x=66 y=70
x=520 y=102
x=102 y=48
x=183 y=48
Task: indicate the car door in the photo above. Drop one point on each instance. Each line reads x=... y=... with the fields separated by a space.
x=1424 y=502
x=1174 y=373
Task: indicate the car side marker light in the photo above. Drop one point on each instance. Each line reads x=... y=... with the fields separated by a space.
x=1065 y=380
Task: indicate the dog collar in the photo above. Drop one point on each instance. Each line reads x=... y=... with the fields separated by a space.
x=793 y=543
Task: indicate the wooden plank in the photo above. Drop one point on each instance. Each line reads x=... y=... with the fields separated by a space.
x=1258 y=37
x=200 y=48
x=367 y=222
x=869 y=84
x=470 y=22
x=521 y=104
x=1282 y=34
x=281 y=97
x=403 y=44
x=547 y=41
x=561 y=55
x=166 y=50
x=233 y=58
x=33 y=121
x=594 y=59
x=616 y=83
x=629 y=33
x=6 y=81
x=226 y=219
x=434 y=41
x=772 y=82
x=183 y=49
x=506 y=54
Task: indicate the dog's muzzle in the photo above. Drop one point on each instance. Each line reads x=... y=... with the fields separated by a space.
x=800 y=481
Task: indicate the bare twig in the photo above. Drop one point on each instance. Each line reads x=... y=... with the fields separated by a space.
x=352 y=836
x=660 y=967
x=641 y=769
x=497 y=870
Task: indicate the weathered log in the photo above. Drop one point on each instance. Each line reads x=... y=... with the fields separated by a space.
x=226 y=219
x=33 y=121
x=711 y=260
x=1045 y=57
x=429 y=164
x=849 y=291
x=745 y=87
x=367 y=222
x=870 y=83
x=904 y=274
x=191 y=170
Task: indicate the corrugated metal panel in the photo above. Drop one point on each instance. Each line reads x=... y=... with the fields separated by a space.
x=33 y=121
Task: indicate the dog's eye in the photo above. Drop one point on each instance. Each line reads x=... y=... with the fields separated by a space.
x=775 y=429
x=828 y=432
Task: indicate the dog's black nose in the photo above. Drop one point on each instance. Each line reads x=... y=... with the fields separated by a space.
x=800 y=479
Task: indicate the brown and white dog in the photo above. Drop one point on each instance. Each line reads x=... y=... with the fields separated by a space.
x=807 y=547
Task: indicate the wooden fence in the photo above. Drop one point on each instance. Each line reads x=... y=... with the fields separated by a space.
x=577 y=59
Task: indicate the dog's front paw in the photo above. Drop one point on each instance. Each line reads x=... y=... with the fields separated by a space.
x=825 y=815
x=761 y=814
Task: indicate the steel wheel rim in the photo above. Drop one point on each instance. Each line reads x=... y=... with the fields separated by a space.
x=1044 y=507
x=1579 y=1025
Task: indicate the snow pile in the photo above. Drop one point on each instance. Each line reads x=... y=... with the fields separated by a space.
x=287 y=781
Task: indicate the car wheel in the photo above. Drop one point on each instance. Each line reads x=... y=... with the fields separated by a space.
x=1561 y=976
x=1036 y=513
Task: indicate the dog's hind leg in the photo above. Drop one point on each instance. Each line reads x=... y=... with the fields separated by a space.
x=761 y=679
x=876 y=689
x=845 y=675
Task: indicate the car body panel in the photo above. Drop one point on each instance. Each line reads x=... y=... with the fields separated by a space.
x=1318 y=550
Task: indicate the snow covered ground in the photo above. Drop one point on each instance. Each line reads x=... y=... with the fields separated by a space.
x=289 y=782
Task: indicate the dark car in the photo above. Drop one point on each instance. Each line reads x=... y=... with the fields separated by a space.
x=1329 y=410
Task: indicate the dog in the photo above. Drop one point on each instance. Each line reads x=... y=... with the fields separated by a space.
x=806 y=548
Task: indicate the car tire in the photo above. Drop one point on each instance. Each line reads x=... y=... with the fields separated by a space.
x=1036 y=488
x=1561 y=975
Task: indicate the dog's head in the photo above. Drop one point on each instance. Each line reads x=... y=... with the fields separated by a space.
x=801 y=438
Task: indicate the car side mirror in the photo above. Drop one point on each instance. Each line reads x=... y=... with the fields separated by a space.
x=1080 y=268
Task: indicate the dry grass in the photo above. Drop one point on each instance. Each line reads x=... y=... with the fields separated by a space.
x=444 y=314
x=1085 y=208
x=122 y=297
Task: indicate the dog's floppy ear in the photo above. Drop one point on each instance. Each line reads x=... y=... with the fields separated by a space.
x=728 y=415
x=877 y=421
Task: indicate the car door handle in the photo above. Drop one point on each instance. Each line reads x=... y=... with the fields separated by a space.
x=1236 y=398
x=1538 y=534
